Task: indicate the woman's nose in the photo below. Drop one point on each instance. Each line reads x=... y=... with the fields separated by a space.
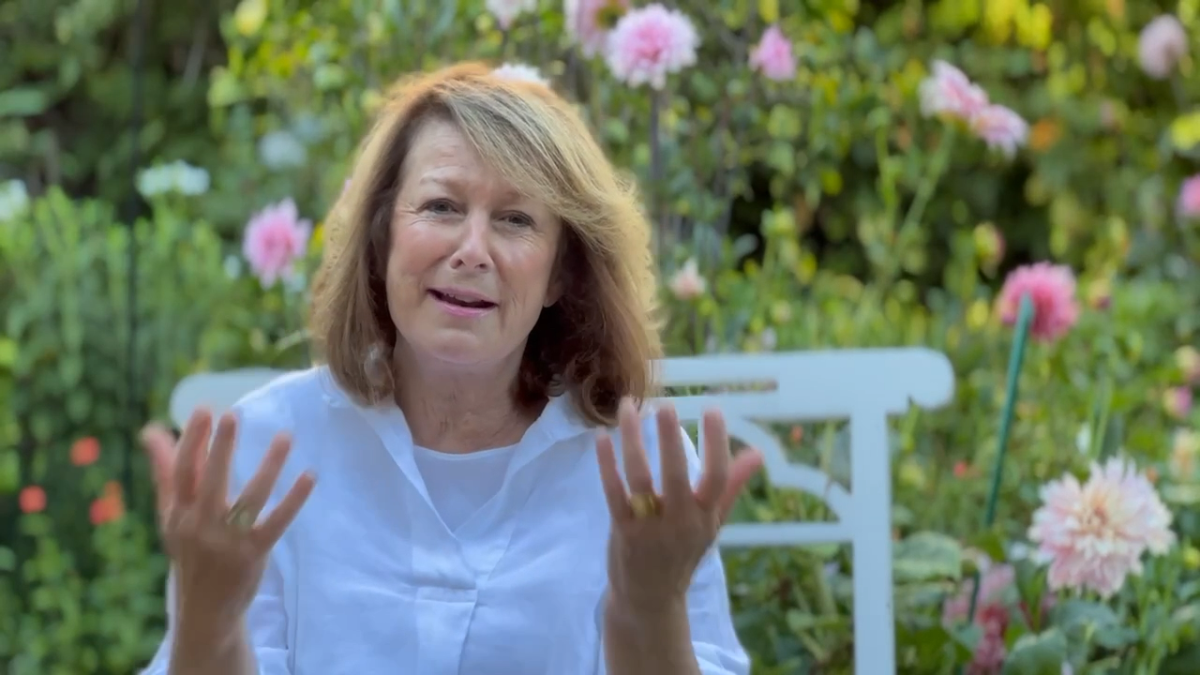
x=473 y=244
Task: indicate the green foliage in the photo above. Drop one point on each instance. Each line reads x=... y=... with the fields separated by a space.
x=823 y=212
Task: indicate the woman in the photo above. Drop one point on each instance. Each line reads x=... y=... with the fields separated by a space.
x=483 y=313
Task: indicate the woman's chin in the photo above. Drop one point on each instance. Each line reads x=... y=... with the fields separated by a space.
x=458 y=349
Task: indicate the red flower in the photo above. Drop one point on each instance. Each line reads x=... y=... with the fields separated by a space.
x=32 y=499
x=85 y=451
x=108 y=507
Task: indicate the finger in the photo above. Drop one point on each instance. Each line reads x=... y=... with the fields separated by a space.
x=637 y=468
x=258 y=489
x=747 y=463
x=159 y=444
x=610 y=478
x=214 y=483
x=189 y=454
x=277 y=522
x=672 y=454
x=716 y=460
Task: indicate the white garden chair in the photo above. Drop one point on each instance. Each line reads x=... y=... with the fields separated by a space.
x=863 y=386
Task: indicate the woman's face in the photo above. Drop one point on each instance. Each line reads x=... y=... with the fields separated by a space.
x=472 y=261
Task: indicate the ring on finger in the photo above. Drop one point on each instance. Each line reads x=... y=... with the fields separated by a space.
x=240 y=517
x=645 y=504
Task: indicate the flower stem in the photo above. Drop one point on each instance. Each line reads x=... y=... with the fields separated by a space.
x=1015 y=359
x=927 y=186
x=656 y=169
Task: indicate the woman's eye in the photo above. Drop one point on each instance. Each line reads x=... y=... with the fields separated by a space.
x=519 y=219
x=439 y=206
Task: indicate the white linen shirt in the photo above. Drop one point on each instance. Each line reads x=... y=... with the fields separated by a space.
x=368 y=580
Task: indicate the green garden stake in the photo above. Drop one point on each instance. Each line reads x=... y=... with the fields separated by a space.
x=1025 y=316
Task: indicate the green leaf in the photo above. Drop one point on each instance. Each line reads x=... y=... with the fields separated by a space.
x=927 y=555
x=784 y=122
x=768 y=10
x=8 y=352
x=8 y=559
x=329 y=76
x=1041 y=654
x=23 y=102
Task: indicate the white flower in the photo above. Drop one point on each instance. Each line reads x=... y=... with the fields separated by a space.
x=178 y=177
x=281 y=150
x=1162 y=43
x=14 y=199
x=506 y=11
x=520 y=72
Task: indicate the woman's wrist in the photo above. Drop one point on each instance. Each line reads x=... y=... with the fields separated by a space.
x=645 y=612
x=202 y=640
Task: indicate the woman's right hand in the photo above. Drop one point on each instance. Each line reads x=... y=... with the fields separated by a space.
x=218 y=550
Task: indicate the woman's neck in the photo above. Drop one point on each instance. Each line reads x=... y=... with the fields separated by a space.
x=456 y=411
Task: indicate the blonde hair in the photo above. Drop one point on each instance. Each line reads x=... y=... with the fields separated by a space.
x=597 y=342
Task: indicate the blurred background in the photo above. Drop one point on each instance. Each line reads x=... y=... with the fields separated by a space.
x=821 y=174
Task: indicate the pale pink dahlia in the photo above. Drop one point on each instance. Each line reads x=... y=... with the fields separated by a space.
x=1001 y=128
x=275 y=239
x=1094 y=534
x=948 y=91
x=1051 y=288
x=649 y=43
x=686 y=283
x=773 y=55
x=1161 y=44
x=588 y=22
x=1188 y=204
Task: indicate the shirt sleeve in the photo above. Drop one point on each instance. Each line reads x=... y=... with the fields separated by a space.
x=714 y=640
x=266 y=619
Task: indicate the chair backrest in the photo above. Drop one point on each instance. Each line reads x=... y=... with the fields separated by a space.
x=863 y=386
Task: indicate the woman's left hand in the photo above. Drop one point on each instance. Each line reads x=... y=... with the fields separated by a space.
x=653 y=552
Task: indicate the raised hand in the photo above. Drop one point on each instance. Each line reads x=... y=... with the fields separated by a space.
x=658 y=540
x=218 y=550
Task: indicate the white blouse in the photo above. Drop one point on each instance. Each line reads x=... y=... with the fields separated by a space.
x=392 y=568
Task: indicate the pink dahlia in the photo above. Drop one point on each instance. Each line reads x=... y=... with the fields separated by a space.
x=1001 y=128
x=275 y=239
x=991 y=614
x=773 y=55
x=650 y=43
x=1094 y=534
x=1161 y=44
x=1177 y=401
x=1051 y=288
x=948 y=91
x=1188 y=204
x=588 y=22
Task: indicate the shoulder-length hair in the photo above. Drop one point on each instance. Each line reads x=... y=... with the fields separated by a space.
x=597 y=342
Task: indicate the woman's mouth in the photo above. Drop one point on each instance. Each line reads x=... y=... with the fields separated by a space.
x=461 y=303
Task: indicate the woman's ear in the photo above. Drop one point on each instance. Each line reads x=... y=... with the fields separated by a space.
x=559 y=280
x=555 y=290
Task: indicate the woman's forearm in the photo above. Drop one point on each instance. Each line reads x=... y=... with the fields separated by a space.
x=199 y=650
x=648 y=641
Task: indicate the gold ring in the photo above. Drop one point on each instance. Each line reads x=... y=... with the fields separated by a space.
x=239 y=517
x=645 y=504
